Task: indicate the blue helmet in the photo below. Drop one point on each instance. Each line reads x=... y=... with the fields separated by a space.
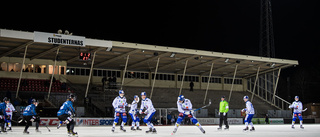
x=296 y=97
x=121 y=92
x=143 y=94
x=135 y=96
x=181 y=98
x=245 y=97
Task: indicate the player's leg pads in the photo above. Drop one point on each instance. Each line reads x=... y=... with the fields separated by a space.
x=300 y=117
x=116 y=118
x=194 y=120
x=132 y=117
x=148 y=117
x=250 y=118
x=294 y=117
x=180 y=119
x=246 y=118
x=124 y=117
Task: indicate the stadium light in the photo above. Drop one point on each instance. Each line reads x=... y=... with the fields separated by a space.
x=227 y=60
x=272 y=65
x=172 y=55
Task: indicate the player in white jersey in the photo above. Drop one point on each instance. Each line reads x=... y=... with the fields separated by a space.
x=119 y=104
x=297 y=112
x=146 y=104
x=133 y=113
x=185 y=109
x=249 y=113
x=9 y=109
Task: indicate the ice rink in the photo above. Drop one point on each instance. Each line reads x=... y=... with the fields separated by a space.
x=311 y=130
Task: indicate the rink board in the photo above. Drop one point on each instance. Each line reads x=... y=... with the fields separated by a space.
x=109 y=121
x=284 y=130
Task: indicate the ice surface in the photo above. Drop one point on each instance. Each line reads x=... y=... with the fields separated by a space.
x=311 y=130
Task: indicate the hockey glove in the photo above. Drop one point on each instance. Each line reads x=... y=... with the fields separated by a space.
x=33 y=118
x=146 y=112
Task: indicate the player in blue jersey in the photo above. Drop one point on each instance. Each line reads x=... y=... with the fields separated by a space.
x=149 y=111
x=185 y=109
x=3 y=114
x=133 y=113
x=119 y=104
x=249 y=113
x=297 y=111
x=65 y=114
x=30 y=115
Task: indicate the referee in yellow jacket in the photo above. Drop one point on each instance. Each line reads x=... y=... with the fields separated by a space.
x=223 y=112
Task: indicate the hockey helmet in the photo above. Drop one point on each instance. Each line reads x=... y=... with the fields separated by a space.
x=181 y=98
x=5 y=99
x=71 y=96
x=143 y=94
x=121 y=92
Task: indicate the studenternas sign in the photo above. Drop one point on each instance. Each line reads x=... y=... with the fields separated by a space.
x=59 y=39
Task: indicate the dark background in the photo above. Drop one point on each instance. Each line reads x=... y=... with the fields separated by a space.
x=221 y=25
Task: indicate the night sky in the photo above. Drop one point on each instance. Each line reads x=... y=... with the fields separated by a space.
x=218 y=25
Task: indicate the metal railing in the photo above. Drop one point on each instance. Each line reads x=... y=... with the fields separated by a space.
x=278 y=102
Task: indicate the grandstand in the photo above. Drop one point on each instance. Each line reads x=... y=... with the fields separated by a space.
x=50 y=71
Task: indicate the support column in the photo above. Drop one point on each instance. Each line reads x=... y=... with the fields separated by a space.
x=275 y=87
x=208 y=83
x=234 y=76
x=255 y=83
x=23 y=61
x=184 y=73
x=265 y=83
x=90 y=74
x=154 y=79
x=124 y=71
x=53 y=69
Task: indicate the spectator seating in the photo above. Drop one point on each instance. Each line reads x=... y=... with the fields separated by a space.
x=39 y=85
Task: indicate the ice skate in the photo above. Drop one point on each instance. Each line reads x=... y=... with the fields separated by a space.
x=292 y=126
x=38 y=131
x=226 y=128
x=9 y=129
x=72 y=133
x=112 y=129
x=149 y=131
x=121 y=128
x=59 y=126
x=246 y=129
x=154 y=131
x=202 y=130
x=219 y=128
x=25 y=132
x=174 y=130
x=132 y=128
x=138 y=128
x=301 y=127
x=252 y=129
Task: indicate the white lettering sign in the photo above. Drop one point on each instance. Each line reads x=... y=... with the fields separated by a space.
x=59 y=39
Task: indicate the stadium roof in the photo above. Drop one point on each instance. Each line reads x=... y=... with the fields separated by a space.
x=143 y=57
